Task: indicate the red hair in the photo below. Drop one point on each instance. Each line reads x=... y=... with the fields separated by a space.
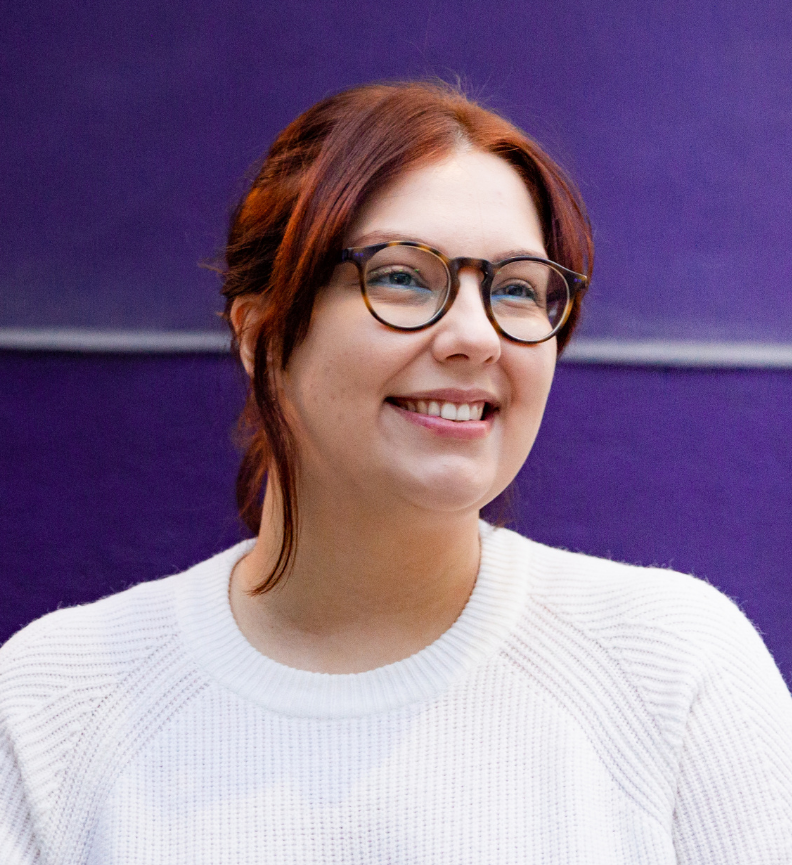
x=287 y=232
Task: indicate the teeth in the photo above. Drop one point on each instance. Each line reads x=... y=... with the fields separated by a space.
x=446 y=410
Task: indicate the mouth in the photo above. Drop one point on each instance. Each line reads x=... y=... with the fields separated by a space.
x=460 y=412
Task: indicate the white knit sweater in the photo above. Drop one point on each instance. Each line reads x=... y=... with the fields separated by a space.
x=578 y=711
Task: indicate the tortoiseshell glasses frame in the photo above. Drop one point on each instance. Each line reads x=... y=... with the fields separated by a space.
x=361 y=256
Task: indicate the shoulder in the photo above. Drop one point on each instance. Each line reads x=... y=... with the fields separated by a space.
x=125 y=621
x=72 y=659
x=130 y=643
x=82 y=689
x=80 y=681
x=65 y=686
x=654 y=639
x=605 y=598
x=116 y=632
x=68 y=660
x=659 y=671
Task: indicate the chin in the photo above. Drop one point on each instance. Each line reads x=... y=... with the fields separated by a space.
x=452 y=491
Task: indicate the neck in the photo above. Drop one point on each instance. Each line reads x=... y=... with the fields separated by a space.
x=367 y=587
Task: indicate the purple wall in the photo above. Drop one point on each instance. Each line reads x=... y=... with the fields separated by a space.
x=120 y=469
x=127 y=129
x=128 y=125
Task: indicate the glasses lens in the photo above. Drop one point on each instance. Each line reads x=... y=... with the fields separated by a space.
x=406 y=287
x=529 y=299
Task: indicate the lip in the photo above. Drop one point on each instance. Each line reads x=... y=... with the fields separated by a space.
x=451 y=394
x=468 y=430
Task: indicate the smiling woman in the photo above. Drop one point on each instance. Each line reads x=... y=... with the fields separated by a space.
x=319 y=183
x=364 y=449
x=379 y=676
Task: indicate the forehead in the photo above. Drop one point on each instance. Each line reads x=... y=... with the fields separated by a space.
x=471 y=203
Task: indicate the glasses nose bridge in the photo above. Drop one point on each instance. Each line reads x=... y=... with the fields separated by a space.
x=483 y=266
x=487 y=271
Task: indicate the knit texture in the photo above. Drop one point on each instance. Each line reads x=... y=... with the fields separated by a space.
x=578 y=711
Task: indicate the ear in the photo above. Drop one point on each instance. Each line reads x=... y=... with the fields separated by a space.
x=246 y=314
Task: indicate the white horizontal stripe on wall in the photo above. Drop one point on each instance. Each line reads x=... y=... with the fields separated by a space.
x=79 y=339
x=645 y=352
x=680 y=353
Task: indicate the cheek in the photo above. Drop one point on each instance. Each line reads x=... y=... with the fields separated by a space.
x=531 y=383
x=320 y=392
x=336 y=383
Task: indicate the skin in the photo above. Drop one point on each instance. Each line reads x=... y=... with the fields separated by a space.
x=389 y=501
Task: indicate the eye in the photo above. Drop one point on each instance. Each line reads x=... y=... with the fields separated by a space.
x=396 y=276
x=516 y=290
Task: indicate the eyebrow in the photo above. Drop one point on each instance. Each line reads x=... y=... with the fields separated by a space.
x=383 y=237
x=375 y=237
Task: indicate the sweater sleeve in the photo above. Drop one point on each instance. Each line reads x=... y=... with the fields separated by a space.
x=19 y=698
x=734 y=794
x=73 y=684
x=18 y=844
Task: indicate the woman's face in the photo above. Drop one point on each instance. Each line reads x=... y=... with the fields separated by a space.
x=362 y=399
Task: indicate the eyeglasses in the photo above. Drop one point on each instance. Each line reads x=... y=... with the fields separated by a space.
x=409 y=286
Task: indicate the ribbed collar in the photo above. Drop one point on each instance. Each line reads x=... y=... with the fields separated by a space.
x=216 y=643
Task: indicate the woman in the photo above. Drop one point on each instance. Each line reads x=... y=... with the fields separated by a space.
x=378 y=676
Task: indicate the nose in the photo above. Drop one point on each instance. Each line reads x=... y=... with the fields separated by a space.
x=465 y=332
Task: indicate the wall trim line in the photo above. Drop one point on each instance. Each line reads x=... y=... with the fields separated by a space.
x=93 y=340
x=680 y=353
x=595 y=351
